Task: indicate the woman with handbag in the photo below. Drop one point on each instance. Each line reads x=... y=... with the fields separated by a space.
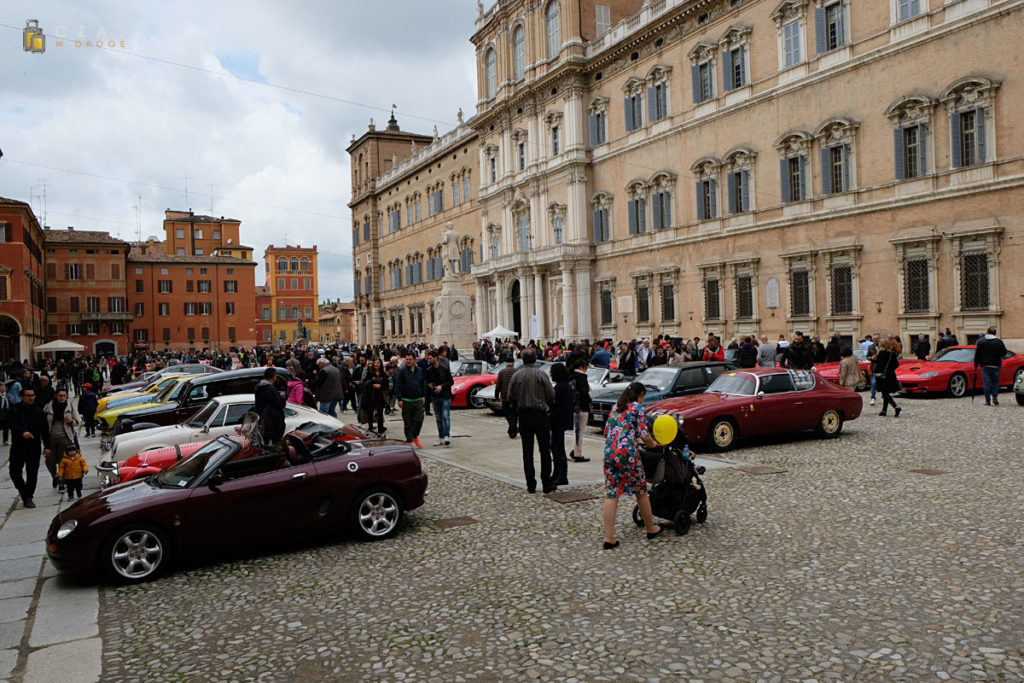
x=63 y=420
x=884 y=370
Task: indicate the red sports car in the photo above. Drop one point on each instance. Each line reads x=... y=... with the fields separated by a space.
x=227 y=495
x=470 y=377
x=830 y=371
x=758 y=402
x=152 y=461
x=952 y=370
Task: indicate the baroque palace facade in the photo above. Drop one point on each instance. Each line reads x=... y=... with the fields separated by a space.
x=726 y=166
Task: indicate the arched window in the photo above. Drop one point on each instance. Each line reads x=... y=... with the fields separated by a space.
x=492 y=76
x=519 y=50
x=282 y=264
x=304 y=264
x=294 y=265
x=551 y=24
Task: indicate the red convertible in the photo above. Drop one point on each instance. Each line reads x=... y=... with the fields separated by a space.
x=226 y=494
x=152 y=461
x=759 y=402
x=469 y=378
x=952 y=370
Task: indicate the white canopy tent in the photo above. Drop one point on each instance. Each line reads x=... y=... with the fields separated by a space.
x=58 y=345
x=500 y=332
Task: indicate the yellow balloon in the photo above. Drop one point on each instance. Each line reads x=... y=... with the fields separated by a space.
x=665 y=429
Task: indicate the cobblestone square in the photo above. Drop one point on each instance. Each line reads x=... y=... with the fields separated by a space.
x=847 y=565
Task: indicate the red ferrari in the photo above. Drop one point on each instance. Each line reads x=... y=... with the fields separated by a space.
x=830 y=371
x=469 y=378
x=951 y=370
x=759 y=402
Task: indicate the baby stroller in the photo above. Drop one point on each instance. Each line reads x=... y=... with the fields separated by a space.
x=678 y=491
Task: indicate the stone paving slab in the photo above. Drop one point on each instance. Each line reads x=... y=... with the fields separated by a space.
x=14 y=609
x=8 y=660
x=13 y=552
x=11 y=634
x=17 y=588
x=21 y=568
x=65 y=612
x=77 y=661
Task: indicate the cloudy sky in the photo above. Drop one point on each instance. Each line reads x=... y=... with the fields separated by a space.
x=100 y=126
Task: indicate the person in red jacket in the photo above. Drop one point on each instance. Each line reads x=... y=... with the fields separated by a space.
x=713 y=350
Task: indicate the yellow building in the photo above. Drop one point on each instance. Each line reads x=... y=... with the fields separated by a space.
x=292 y=293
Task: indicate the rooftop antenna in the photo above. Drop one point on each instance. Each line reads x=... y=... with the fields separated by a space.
x=138 y=219
x=211 y=198
x=186 y=178
x=43 y=181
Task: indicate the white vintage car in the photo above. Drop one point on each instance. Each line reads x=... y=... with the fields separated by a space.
x=220 y=416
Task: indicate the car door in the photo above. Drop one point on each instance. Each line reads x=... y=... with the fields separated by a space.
x=776 y=404
x=1007 y=369
x=689 y=381
x=228 y=418
x=265 y=505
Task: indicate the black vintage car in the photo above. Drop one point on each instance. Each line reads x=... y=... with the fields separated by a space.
x=663 y=381
x=193 y=396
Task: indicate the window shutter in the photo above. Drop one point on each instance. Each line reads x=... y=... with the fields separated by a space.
x=826 y=172
x=897 y=140
x=922 y=155
x=67 y=271
x=652 y=109
x=979 y=127
x=802 y=164
x=658 y=225
x=954 y=128
x=745 y=191
x=695 y=82
x=841 y=24
x=641 y=216
x=727 y=70
x=592 y=123
x=629 y=115
x=713 y=197
x=847 y=178
x=666 y=209
x=51 y=271
x=820 y=34
x=700 y=201
x=732 y=179
x=631 y=207
x=597 y=225
x=784 y=180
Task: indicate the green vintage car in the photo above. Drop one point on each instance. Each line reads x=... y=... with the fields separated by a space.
x=170 y=392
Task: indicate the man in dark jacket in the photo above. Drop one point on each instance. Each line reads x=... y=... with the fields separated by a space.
x=439 y=388
x=988 y=355
x=833 y=348
x=923 y=348
x=501 y=391
x=581 y=386
x=328 y=383
x=29 y=432
x=531 y=394
x=270 y=407
x=411 y=390
x=798 y=355
x=746 y=357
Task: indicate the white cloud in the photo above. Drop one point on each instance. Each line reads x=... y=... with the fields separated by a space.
x=151 y=122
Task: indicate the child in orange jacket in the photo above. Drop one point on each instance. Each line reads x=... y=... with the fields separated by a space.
x=72 y=470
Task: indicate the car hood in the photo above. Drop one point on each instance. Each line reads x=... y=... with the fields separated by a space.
x=152 y=434
x=114 y=499
x=920 y=367
x=129 y=408
x=683 y=404
x=609 y=392
x=475 y=379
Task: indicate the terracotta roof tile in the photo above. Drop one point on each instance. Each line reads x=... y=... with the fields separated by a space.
x=80 y=236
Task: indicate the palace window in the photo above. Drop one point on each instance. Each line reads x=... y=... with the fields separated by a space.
x=734 y=47
x=606 y=306
x=830 y=26
x=836 y=140
x=634 y=104
x=600 y=217
x=519 y=52
x=490 y=66
x=712 y=298
x=597 y=122
x=643 y=303
x=668 y=301
x=800 y=293
x=916 y=286
x=974 y=282
x=551 y=26
x=969 y=103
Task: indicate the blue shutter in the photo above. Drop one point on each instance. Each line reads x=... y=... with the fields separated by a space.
x=641 y=216
x=658 y=225
x=355 y=236
x=666 y=209
x=700 y=201
x=979 y=136
x=826 y=172
x=695 y=82
x=629 y=115
x=841 y=24
x=713 y=198
x=631 y=207
x=597 y=225
x=784 y=180
x=802 y=164
x=652 y=109
x=954 y=129
x=847 y=178
x=745 y=191
x=726 y=70
x=430 y=269
x=731 y=181
x=741 y=54
x=820 y=33
x=897 y=143
x=922 y=155
x=592 y=123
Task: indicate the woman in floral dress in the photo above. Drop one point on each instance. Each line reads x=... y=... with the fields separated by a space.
x=623 y=471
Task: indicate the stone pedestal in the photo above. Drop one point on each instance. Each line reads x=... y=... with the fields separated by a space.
x=453 y=320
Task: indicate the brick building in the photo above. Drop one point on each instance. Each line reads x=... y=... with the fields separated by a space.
x=264 y=315
x=292 y=293
x=337 y=322
x=86 y=294
x=190 y=234
x=22 y=318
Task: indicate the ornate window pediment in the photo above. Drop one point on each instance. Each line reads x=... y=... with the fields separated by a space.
x=636 y=188
x=706 y=168
x=663 y=181
x=970 y=92
x=702 y=52
x=734 y=37
x=633 y=86
x=601 y=200
x=598 y=104
x=788 y=10
x=910 y=110
x=740 y=159
x=659 y=73
x=793 y=143
x=836 y=131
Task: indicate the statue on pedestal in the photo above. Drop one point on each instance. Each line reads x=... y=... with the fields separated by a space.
x=450 y=247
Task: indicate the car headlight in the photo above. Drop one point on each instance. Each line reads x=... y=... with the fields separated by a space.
x=929 y=375
x=66 y=528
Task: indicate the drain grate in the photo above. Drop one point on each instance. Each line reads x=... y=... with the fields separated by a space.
x=761 y=469
x=570 y=496
x=930 y=473
x=451 y=522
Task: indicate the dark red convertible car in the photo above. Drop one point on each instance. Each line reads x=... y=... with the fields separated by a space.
x=226 y=495
x=758 y=402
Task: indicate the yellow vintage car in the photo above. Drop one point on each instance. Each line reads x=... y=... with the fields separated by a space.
x=142 y=395
x=107 y=417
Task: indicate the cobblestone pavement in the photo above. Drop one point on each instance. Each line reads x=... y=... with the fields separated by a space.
x=846 y=566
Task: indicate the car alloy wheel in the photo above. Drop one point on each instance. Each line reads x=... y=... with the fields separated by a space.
x=958 y=385
x=723 y=434
x=377 y=514
x=136 y=554
x=471 y=399
x=830 y=425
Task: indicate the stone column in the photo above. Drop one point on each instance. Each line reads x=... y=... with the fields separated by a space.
x=377 y=316
x=573 y=118
x=568 y=329
x=577 y=217
x=525 y=302
x=583 y=312
x=500 y=304
x=481 y=319
x=538 y=294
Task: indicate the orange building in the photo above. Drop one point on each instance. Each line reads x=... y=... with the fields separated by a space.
x=21 y=281
x=264 y=315
x=189 y=234
x=291 y=274
x=86 y=295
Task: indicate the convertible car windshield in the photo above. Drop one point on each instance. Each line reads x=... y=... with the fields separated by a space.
x=184 y=473
x=203 y=416
x=736 y=383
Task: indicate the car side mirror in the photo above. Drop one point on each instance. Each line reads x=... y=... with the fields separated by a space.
x=760 y=394
x=216 y=479
x=206 y=429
